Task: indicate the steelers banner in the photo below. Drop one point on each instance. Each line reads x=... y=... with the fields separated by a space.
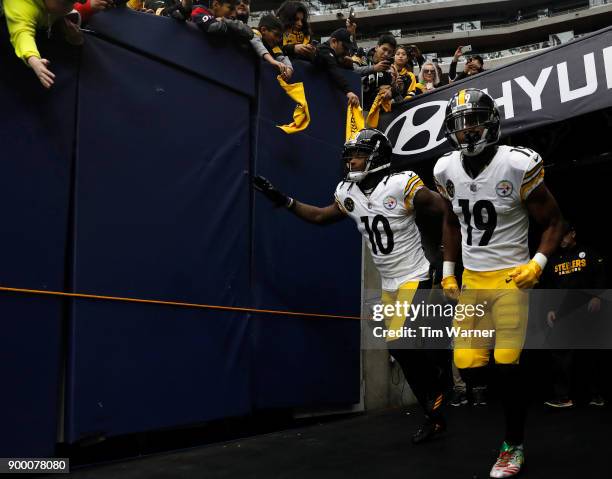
x=552 y=86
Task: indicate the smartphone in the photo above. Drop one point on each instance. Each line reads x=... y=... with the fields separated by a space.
x=352 y=15
x=466 y=49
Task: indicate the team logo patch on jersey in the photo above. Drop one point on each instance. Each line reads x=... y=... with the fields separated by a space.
x=349 y=204
x=450 y=188
x=504 y=188
x=390 y=202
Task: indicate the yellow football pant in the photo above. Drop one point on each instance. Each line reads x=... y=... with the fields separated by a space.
x=405 y=295
x=506 y=309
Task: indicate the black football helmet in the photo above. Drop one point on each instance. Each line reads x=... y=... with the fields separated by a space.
x=376 y=145
x=473 y=112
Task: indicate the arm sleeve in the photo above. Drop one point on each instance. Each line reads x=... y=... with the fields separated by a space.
x=413 y=185
x=21 y=19
x=277 y=53
x=208 y=23
x=239 y=29
x=285 y=60
x=534 y=175
x=363 y=70
x=258 y=46
x=452 y=71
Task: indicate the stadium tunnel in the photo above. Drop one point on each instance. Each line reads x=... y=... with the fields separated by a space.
x=577 y=155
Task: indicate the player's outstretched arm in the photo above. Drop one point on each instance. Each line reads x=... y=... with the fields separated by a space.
x=544 y=209
x=313 y=214
x=319 y=216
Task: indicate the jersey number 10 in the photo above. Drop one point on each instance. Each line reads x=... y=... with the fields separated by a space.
x=376 y=236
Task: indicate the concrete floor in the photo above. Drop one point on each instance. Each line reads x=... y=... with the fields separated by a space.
x=560 y=444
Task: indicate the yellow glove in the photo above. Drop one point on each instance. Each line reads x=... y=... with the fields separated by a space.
x=450 y=287
x=526 y=275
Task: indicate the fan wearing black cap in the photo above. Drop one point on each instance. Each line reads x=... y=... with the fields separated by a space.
x=330 y=56
x=385 y=205
x=25 y=17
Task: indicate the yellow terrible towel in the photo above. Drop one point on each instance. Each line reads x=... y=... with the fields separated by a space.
x=301 y=115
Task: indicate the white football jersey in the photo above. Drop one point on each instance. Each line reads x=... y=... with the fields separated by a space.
x=386 y=220
x=491 y=209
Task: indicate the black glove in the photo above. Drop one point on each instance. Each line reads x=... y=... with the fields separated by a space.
x=278 y=198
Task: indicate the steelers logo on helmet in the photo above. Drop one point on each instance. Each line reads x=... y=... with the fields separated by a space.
x=374 y=147
x=472 y=121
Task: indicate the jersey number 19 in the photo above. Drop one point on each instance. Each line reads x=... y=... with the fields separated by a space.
x=487 y=225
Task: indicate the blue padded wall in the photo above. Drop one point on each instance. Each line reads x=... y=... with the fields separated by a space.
x=37 y=137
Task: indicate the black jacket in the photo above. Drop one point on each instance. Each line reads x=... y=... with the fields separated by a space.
x=326 y=59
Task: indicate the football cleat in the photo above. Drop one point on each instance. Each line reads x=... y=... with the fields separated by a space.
x=597 y=401
x=509 y=462
x=560 y=403
x=428 y=430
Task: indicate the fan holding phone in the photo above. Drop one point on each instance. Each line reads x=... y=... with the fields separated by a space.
x=474 y=64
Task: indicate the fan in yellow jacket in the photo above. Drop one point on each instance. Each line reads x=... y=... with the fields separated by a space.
x=24 y=17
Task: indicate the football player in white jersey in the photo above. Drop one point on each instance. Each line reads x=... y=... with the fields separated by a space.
x=383 y=205
x=491 y=191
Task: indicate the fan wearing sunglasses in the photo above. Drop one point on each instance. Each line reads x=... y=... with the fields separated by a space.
x=429 y=76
